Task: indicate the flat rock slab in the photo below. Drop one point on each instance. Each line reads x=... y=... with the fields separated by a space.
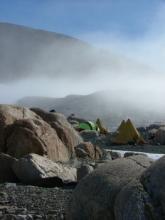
x=33 y=168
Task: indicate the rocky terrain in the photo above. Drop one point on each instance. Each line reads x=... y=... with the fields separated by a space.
x=29 y=202
x=48 y=170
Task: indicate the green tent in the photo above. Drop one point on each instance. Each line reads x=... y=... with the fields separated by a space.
x=88 y=125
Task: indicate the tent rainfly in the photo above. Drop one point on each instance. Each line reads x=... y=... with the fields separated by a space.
x=88 y=125
x=127 y=134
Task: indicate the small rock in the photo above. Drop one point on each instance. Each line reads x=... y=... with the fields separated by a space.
x=37 y=217
x=21 y=211
x=91 y=151
x=115 y=155
x=129 y=154
x=83 y=171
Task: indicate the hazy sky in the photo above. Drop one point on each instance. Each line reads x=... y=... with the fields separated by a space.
x=78 y=17
x=133 y=28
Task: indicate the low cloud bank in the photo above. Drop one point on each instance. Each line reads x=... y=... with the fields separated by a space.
x=132 y=68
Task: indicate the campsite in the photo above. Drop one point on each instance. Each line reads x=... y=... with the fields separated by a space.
x=45 y=153
x=82 y=111
x=126 y=136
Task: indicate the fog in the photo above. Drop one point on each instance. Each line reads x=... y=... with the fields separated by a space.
x=132 y=69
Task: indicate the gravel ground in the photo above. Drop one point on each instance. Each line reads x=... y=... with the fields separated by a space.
x=30 y=202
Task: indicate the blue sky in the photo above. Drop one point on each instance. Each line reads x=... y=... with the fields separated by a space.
x=130 y=18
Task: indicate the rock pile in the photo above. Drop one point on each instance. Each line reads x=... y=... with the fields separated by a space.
x=36 y=147
x=42 y=149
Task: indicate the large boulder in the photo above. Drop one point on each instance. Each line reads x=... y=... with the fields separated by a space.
x=159 y=137
x=34 y=136
x=88 y=150
x=6 y=172
x=95 y=196
x=132 y=202
x=153 y=180
x=143 y=198
x=8 y=115
x=68 y=135
x=34 y=169
x=22 y=131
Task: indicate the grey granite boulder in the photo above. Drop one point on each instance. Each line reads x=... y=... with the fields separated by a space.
x=133 y=203
x=33 y=168
x=95 y=196
x=144 y=197
x=153 y=180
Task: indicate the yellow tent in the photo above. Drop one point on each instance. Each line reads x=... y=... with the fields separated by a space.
x=102 y=128
x=122 y=125
x=127 y=133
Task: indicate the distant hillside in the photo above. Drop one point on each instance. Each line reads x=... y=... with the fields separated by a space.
x=27 y=52
x=109 y=107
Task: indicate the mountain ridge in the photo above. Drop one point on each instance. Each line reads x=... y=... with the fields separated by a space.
x=111 y=108
x=26 y=52
x=31 y=29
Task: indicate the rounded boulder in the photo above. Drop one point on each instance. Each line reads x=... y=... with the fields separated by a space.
x=95 y=195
